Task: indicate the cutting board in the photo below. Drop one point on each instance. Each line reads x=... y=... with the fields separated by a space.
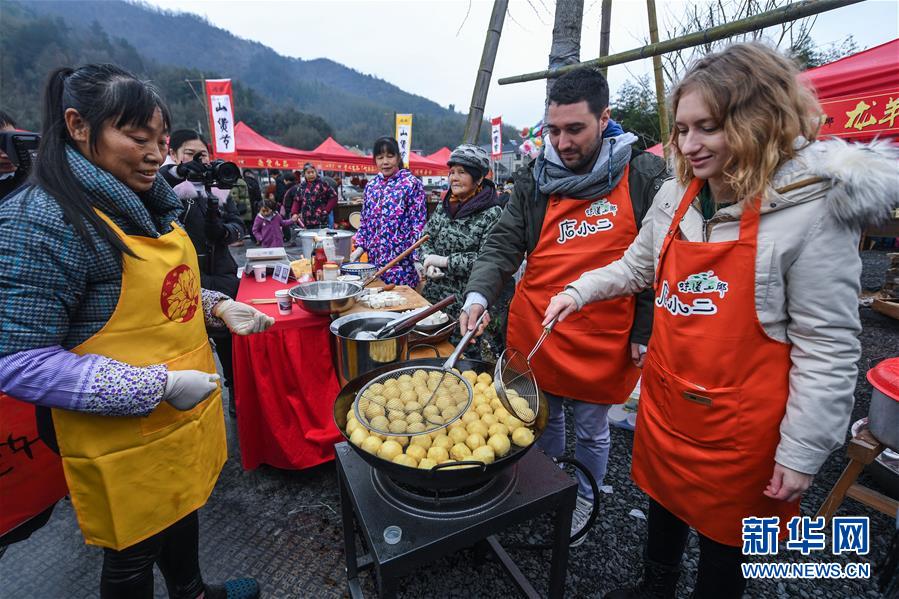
x=413 y=300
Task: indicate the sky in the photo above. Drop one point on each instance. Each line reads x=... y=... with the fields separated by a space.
x=433 y=47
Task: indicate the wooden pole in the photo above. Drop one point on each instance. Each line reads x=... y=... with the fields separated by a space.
x=482 y=81
x=792 y=12
x=657 y=71
x=565 y=48
x=604 y=33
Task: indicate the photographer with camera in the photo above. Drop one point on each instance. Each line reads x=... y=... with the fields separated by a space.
x=211 y=220
x=17 y=149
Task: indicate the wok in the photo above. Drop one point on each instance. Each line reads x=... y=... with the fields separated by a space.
x=437 y=478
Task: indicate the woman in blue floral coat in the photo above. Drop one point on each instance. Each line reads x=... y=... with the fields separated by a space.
x=393 y=215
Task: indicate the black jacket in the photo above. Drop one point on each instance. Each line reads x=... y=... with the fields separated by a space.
x=211 y=231
x=518 y=230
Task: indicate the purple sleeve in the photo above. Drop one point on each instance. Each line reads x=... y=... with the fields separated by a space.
x=53 y=377
x=210 y=298
x=257 y=226
x=417 y=213
x=361 y=237
x=331 y=195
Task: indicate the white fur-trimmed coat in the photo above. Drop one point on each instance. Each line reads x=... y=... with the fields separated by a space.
x=807 y=277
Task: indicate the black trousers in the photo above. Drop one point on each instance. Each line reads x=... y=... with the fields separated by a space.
x=128 y=574
x=719 y=576
x=223 y=347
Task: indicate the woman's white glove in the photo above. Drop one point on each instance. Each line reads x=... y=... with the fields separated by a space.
x=436 y=260
x=357 y=253
x=242 y=319
x=434 y=273
x=184 y=389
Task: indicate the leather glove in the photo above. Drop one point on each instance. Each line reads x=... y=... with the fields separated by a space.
x=214 y=229
x=242 y=319
x=192 y=170
x=434 y=273
x=357 y=253
x=184 y=389
x=436 y=260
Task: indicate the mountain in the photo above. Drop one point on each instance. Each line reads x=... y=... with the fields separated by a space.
x=289 y=99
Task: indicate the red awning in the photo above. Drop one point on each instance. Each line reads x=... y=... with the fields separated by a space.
x=859 y=94
x=442 y=155
x=255 y=151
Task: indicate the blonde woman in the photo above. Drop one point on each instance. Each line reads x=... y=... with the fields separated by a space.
x=752 y=252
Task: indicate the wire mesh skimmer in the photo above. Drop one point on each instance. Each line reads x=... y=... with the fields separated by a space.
x=514 y=381
x=413 y=400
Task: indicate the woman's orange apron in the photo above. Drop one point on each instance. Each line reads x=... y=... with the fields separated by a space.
x=132 y=477
x=587 y=357
x=714 y=388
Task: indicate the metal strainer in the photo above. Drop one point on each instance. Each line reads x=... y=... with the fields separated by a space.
x=514 y=380
x=423 y=398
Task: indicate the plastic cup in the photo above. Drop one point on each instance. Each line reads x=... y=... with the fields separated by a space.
x=285 y=302
x=259 y=272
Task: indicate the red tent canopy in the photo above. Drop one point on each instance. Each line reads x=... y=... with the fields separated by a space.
x=331 y=156
x=255 y=151
x=442 y=155
x=859 y=94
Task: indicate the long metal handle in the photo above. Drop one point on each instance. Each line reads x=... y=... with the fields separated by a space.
x=546 y=331
x=400 y=324
x=451 y=361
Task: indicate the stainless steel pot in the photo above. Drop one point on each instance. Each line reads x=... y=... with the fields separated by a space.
x=343 y=241
x=358 y=356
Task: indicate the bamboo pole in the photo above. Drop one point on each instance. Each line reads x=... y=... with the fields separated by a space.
x=604 y=33
x=792 y=12
x=657 y=70
x=482 y=81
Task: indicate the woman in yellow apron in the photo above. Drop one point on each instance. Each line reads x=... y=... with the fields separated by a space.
x=104 y=322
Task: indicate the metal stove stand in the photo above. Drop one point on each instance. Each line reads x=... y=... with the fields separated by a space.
x=375 y=507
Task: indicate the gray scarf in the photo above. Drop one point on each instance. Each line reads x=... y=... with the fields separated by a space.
x=554 y=178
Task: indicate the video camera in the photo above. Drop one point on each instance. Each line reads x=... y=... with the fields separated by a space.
x=217 y=173
x=21 y=148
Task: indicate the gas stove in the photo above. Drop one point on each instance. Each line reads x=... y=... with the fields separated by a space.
x=403 y=527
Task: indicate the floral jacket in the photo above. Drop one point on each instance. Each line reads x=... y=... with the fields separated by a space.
x=393 y=217
x=314 y=201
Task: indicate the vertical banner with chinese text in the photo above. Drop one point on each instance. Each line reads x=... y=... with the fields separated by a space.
x=221 y=117
x=31 y=478
x=404 y=136
x=496 y=138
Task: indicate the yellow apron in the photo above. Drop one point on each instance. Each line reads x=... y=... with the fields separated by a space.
x=132 y=477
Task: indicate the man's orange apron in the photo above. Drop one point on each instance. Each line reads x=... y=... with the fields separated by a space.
x=587 y=357
x=714 y=387
x=132 y=477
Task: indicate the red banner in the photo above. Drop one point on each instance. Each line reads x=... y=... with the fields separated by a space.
x=862 y=117
x=221 y=117
x=31 y=478
x=496 y=138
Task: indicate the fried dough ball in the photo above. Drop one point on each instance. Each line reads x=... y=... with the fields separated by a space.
x=391 y=392
x=373 y=410
x=513 y=423
x=519 y=403
x=480 y=400
x=443 y=403
x=489 y=420
x=358 y=436
x=405 y=377
x=449 y=413
x=413 y=406
x=423 y=441
x=438 y=454
x=501 y=413
x=376 y=389
x=477 y=428
x=460 y=451
x=471 y=376
x=496 y=404
x=405 y=460
x=401 y=440
x=484 y=454
x=407 y=396
x=480 y=387
x=389 y=450
x=498 y=429
x=426 y=463
x=351 y=425
x=527 y=414
x=522 y=436
x=500 y=444
x=458 y=435
x=372 y=444
x=397 y=426
x=485 y=378
x=442 y=441
x=416 y=427
x=416 y=451
x=483 y=409
x=394 y=415
x=474 y=441
x=469 y=417
x=379 y=423
x=430 y=410
x=413 y=417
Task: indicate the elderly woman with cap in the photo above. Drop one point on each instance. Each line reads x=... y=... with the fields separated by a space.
x=314 y=200
x=458 y=228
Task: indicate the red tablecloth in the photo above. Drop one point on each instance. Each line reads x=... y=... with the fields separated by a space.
x=285 y=385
